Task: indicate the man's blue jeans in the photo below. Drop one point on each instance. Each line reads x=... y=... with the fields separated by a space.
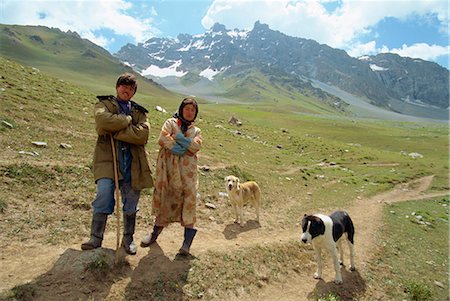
x=104 y=200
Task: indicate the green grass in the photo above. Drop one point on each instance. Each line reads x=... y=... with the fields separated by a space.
x=417 y=291
x=64 y=56
x=279 y=94
x=305 y=163
x=330 y=297
x=245 y=270
x=23 y=292
x=3 y=205
x=415 y=250
x=99 y=265
x=43 y=188
x=353 y=145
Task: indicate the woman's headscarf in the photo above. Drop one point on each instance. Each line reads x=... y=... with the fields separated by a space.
x=184 y=123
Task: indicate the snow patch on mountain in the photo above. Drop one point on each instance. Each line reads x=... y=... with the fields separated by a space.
x=364 y=58
x=377 y=68
x=163 y=72
x=238 y=33
x=210 y=73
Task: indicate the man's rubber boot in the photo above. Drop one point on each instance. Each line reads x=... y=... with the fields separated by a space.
x=189 y=234
x=129 y=223
x=151 y=238
x=97 y=229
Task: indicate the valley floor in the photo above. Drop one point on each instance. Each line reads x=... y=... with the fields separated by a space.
x=59 y=273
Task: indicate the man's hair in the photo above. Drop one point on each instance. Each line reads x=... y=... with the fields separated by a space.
x=127 y=79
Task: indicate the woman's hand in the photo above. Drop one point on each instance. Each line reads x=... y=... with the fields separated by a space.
x=178 y=150
x=182 y=140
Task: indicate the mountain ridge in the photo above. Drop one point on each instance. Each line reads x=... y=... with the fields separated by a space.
x=220 y=71
x=380 y=79
x=67 y=55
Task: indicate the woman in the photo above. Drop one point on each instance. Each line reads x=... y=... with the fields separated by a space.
x=175 y=192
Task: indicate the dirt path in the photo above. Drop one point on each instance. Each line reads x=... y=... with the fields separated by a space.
x=35 y=261
x=367 y=217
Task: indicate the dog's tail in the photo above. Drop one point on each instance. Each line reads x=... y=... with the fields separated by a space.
x=257 y=193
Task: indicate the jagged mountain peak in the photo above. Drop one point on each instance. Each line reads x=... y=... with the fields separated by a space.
x=184 y=37
x=217 y=27
x=258 y=26
x=382 y=79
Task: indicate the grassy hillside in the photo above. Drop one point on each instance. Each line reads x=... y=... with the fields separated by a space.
x=303 y=164
x=281 y=94
x=408 y=224
x=252 y=87
x=67 y=56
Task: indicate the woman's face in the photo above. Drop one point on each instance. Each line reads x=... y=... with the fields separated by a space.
x=189 y=112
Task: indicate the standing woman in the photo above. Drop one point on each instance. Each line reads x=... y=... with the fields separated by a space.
x=175 y=192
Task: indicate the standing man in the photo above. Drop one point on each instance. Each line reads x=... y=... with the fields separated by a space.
x=126 y=121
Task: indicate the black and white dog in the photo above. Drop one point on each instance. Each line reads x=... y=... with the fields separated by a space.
x=328 y=232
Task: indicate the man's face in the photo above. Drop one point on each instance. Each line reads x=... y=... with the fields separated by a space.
x=125 y=92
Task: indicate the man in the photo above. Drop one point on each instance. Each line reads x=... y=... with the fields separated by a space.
x=126 y=121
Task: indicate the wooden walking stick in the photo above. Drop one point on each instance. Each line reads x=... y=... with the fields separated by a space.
x=117 y=198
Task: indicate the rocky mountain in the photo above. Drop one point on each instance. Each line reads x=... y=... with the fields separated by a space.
x=412 y=80
x=219 y=53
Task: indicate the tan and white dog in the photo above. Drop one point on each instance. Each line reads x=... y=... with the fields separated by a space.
x=241 y=194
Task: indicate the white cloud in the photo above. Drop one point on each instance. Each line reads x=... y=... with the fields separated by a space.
x=100 y=40
x=418 y=50
x=363 y=49
x=422 y=50
x=310 y=18
x=87 y=18
x=340 y=28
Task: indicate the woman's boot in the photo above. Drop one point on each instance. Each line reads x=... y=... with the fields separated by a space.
x=97 y=229
x=151 y=238
x=189 y=234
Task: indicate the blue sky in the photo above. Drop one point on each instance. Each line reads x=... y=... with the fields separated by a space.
x=412 y=28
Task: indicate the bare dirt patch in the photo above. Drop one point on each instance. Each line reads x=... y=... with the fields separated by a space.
x=59 y=272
